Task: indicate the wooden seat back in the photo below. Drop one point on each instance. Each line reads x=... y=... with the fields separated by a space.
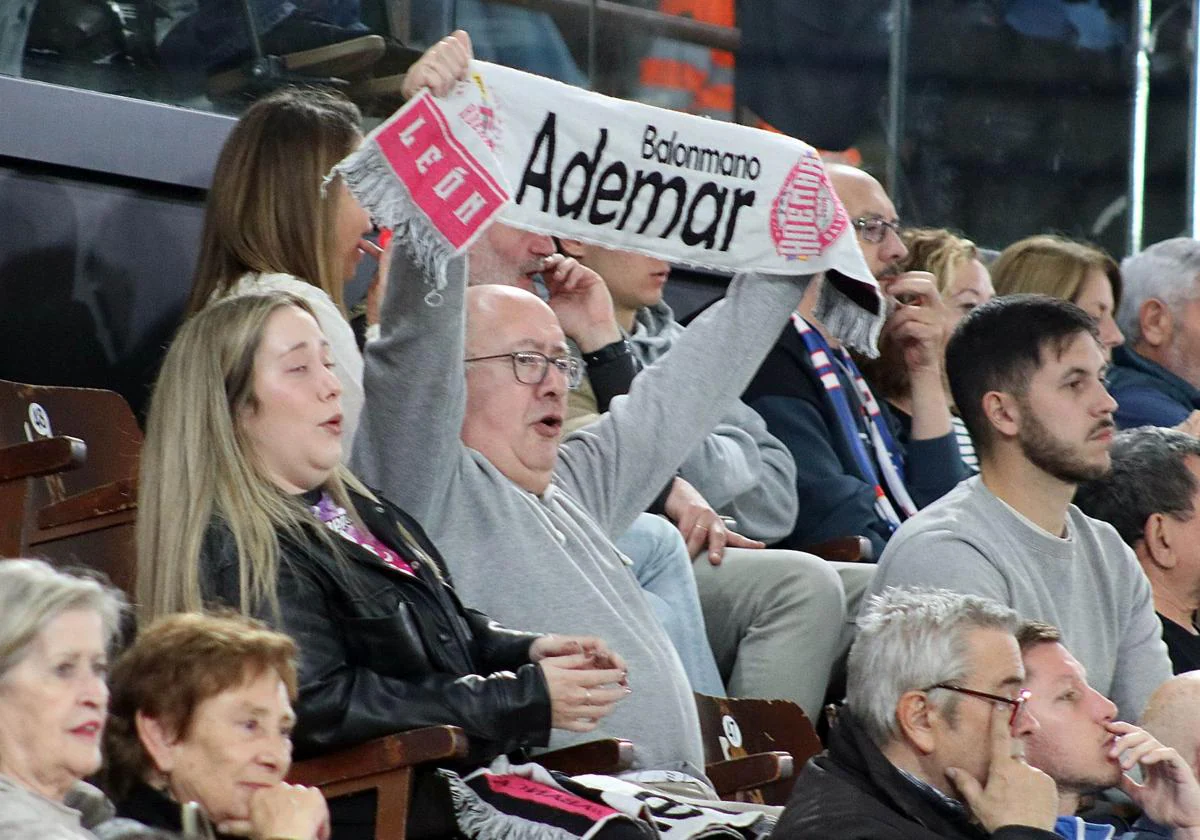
x=71 y=502
x=739 y=733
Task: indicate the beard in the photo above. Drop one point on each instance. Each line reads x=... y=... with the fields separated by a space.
x=1051 y=455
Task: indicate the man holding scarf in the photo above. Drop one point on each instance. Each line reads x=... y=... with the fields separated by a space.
x=466 y=390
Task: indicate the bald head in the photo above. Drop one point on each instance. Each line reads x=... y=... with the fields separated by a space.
x=493 y=310
x=1173 y=716
x=851 y=183
x=864 y=198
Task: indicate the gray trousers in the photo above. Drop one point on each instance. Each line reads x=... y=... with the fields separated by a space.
x=14 y=27
x=779 y=620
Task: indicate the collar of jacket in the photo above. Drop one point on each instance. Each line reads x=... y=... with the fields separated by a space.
x=1177 y=388
x=852 y=749
x=1074 y=828
x=397 y=531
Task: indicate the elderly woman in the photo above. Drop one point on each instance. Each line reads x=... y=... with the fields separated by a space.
x=55 y=631
x=201 y=712
x=243 y=500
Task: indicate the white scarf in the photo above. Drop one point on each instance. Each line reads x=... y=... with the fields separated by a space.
x=546 y=157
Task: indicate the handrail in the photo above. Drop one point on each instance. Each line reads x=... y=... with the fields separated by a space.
x=646 y=21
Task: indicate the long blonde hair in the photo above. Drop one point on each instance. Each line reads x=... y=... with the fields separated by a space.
x=265 y=211
x=1054 y=266
x=198 y=465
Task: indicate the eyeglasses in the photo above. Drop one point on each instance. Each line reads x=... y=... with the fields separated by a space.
x=873 y=229
x=530 y=367
x=1017 y=703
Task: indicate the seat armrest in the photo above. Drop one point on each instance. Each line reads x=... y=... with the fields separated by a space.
x=404 y=749
x=114 y=497
x=749 y=772
x=41 y=457
x=843 y=549
x=605 y=756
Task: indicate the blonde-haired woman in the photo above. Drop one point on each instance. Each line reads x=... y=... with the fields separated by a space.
x=963 y=283
x=1065 y=269
x=962 y=279
x=243 y=501
x=271 y=222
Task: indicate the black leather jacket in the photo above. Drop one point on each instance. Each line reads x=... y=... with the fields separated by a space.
x=852 y=792
x=382 y=651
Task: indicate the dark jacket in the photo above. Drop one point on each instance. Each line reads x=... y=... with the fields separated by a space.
x=836 y=499
x=852 y=792
x=382 y=651
x=1148 y=394
x=151 y=808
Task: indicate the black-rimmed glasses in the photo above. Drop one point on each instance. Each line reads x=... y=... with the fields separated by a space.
x=530 y=367
x=1017 y=703
x=873 y=229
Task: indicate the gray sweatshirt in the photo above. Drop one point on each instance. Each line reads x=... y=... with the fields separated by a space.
x=1087 y=584
x=740 y=468
x=548 y=563
x=25 y=815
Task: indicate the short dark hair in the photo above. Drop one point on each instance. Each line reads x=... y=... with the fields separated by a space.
x=1149 y=475
x=999 y=345
x=1033 y=633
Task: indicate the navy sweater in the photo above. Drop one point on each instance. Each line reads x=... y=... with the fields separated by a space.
x=836 y=499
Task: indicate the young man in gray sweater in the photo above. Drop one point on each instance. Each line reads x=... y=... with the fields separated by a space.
x=1027 y=373
x=463 y=429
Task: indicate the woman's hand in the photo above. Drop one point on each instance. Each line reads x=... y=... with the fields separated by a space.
x=378 y=287
x=283 y=811
x=440 y=67
x=599 y=655
x=580 y=693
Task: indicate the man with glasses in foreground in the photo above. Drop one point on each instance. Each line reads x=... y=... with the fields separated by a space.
x=931 y=740
x=1082 y=746
x=854 y=475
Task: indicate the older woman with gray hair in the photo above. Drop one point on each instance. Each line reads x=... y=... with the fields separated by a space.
x=55 y=631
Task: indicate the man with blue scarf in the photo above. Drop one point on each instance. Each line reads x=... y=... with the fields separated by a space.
x=857 y=471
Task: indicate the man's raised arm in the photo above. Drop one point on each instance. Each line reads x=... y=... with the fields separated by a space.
x=408 y=443
x=618 y=465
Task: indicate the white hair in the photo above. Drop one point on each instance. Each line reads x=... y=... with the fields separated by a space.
x=1166 y=271
x=33 y=593
x=910 y=639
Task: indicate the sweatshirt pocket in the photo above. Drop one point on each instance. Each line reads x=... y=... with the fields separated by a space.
x=389 y=645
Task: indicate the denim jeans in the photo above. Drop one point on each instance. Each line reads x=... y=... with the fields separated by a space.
x=664 y=571
x=502 y=34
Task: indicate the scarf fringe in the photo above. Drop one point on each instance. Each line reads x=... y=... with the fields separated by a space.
x=479 y=820
x=376 y=188
x=853 y=326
